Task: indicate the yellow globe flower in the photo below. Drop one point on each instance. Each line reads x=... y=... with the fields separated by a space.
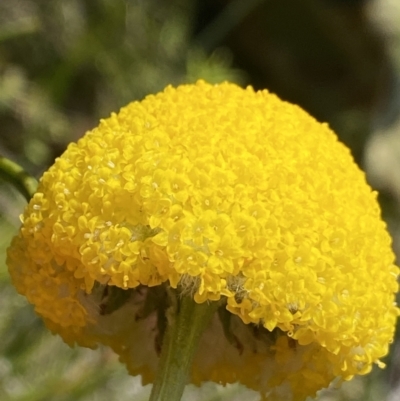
x=228 y=196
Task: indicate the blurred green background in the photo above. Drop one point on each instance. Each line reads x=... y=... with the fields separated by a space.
x=64 y=64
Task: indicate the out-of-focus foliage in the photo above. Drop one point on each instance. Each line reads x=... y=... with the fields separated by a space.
x=66 y=63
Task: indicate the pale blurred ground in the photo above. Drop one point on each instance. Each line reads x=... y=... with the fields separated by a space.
x=65 y=64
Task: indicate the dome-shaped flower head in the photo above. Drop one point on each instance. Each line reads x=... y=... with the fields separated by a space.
x=224 y=195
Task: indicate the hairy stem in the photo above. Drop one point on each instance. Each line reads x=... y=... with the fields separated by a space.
x=179 y=347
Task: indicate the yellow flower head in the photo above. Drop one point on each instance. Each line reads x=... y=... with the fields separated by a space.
x=224 y=194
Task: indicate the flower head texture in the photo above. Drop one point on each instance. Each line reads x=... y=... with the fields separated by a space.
x=224 y=194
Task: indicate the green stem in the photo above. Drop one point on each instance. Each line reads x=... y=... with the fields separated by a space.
x=179 y=347
x=16 y=175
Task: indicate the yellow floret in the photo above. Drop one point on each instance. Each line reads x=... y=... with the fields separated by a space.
x=224 y=193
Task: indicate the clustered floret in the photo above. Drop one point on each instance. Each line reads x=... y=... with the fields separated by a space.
x=223 y=193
